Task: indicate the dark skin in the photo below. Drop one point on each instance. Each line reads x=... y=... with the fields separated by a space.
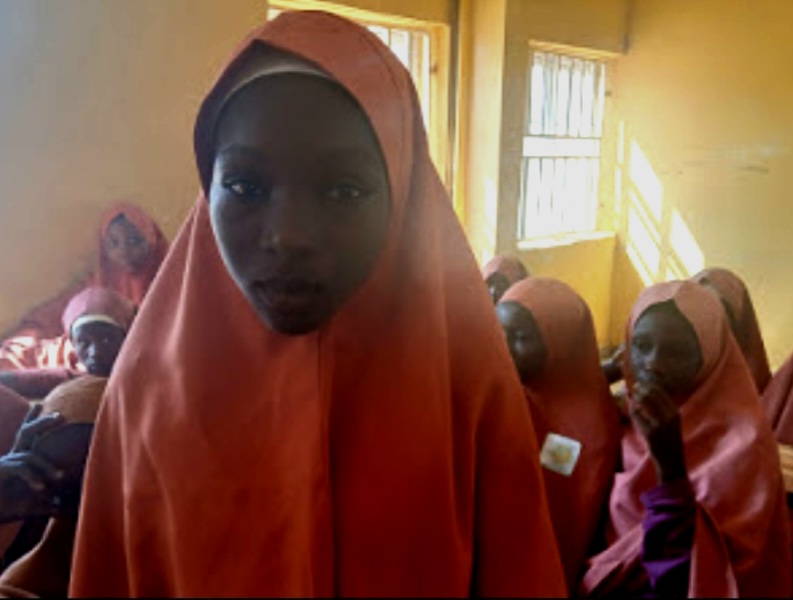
x=125 y=246
x=666 y=360
x=97 y=346
x=497 y=285
x=31 y=486
x=524 y=339
x=299 y=200
x=612 y=366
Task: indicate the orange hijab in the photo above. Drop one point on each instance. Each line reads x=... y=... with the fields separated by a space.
x=741 y=541
x=388 y=453
x=132 y=286
x=736 y=295
x=509 y=266
x=571 y=397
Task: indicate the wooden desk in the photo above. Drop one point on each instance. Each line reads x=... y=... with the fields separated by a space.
x=786 y=458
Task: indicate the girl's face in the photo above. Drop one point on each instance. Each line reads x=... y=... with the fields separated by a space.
x=664 y=350
x=97 y=346
x=299 y=199
x=497 y=285
x=125 y=245
x=523 y=339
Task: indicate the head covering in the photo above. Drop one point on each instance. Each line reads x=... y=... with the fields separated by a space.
x=570 y=397
x=735 y=293
x=390 y=452
x=77 y=400
x=131 y=285
x=741 y=541
x=509 y=266
x=44 y=571
x=96 y=304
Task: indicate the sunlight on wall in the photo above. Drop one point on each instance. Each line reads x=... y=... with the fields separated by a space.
x=488 y=227
x=657 y=239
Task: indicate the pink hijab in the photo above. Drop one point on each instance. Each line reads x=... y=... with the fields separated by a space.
x=742 y=540
x=735 y=293
x=571 y=397
x=99 y=304
x=108 y=275
x=509 y=266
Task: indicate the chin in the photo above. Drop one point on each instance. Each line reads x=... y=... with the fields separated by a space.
x=292 y=324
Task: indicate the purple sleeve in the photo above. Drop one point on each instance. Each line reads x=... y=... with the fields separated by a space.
x=668 y=537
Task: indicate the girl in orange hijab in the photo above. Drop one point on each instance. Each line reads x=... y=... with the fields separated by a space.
x=699 y=508
x=551 y=337
x=130 y=250
x=285 y=419
x=734 y=296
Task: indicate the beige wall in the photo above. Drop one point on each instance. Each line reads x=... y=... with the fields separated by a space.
x=704 y=96
x=97 y=105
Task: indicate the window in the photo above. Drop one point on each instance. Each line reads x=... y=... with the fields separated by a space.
x=420 y=47
x=561 y=144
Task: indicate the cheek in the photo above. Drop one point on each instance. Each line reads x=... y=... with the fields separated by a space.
x=354 y=242
x=235 y=233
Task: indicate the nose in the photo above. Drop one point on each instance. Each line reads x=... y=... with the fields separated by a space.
x=290 y=222
x=652 y=363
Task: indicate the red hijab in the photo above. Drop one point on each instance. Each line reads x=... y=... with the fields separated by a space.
x=388 y=453
x=571 y=397
x=131 y=285
x=742 y=540
x=735 y=293
x=509 y=266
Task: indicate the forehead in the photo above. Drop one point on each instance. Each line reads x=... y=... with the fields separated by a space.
x=294 y=108
x=96 y=329
x=665 y=322
x=513 y=314
x=122 y=226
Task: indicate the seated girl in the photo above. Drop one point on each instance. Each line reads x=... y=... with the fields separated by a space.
x=95 y=323
x=316 y=399
x=40 y=483
x=502 y=271
x=699 y=508
x=551 y=337
x=131 y=248
x=734 y=296
x=42 y=475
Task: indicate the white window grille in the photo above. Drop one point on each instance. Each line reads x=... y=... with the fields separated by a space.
x=561 y=145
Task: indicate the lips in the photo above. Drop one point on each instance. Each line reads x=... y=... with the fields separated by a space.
x=286 y=295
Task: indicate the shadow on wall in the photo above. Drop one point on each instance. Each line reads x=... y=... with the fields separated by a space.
x=654 y=243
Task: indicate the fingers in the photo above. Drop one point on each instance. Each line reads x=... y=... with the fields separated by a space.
x=37 y=472
x=32 y=428
x=33 y=412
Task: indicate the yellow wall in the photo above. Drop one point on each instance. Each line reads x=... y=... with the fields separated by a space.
x=97 y=104
x=705 y=95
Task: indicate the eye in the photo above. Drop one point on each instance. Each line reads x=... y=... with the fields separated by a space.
x=245 y=189
x=346 y=191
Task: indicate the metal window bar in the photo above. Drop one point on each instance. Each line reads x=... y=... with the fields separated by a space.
x=561 y=146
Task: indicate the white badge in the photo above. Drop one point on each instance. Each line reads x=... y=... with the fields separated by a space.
x=560 y=454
